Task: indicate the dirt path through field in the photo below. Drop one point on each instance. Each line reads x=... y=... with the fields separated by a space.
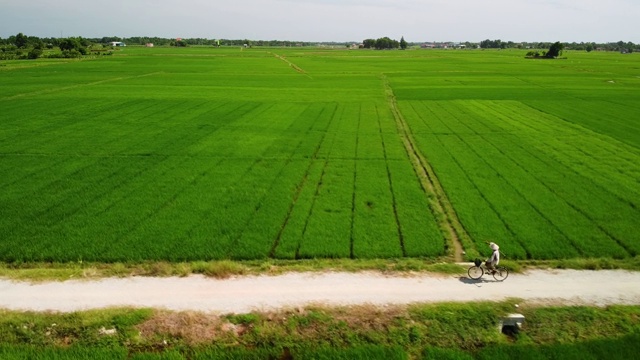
x=243 y=294
x=438 y=201
x=292 y=65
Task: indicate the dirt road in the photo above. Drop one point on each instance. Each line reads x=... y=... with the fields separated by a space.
x=243 y=294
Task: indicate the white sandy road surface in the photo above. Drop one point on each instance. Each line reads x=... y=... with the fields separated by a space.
x=244 y=294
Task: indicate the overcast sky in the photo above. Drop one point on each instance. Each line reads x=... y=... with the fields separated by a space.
x=328 y=20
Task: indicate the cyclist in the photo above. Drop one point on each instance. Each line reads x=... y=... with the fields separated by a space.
x=494 y=260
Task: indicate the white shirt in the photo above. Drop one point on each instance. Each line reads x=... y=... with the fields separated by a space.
x=495 y=257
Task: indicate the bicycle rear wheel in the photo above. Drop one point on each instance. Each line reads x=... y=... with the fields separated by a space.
x=501 y=273
x=475 y=272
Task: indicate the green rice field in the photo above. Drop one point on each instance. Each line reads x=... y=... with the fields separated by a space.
x=179 y=154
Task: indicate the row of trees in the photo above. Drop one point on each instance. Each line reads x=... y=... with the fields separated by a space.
x=493 y=44
x=588 y=46
x=142 y=40
x=21 y=46
x=384 y=43
x=23 y=41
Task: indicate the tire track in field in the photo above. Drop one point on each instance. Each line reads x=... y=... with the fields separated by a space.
x=65 y=124
x=475 y=187
x=256 y=161
x=572 y=159
x=64 y=88
x=264 y=196
x=298 y=190
x=319 y=183
x=440 y=205
x=507 y=181
x=63 y=158
x=569 y=203
x=296 y=194
x=165 y=159
x=579 y=146
x=470 y=181
x=393 y=195
x=167 y=201
x=353 y=188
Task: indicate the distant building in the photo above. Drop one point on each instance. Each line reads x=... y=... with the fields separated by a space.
x=149 y=45
x=118 y=43
x=441 y=45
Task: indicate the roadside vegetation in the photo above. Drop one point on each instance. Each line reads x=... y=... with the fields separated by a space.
x=47 y=271
x=421 y=331
x=218 y=269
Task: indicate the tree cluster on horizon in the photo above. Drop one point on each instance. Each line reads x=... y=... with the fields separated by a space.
x=384 y=43
x=588 y=46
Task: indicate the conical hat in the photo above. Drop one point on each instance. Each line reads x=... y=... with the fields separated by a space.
x=494 y=246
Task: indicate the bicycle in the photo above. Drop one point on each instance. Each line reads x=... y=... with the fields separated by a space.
x=478 y=269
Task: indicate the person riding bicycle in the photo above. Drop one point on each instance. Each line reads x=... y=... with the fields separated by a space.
x=494 y=260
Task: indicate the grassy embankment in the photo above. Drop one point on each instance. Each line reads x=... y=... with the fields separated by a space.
x=224 y=269
x=449 y=331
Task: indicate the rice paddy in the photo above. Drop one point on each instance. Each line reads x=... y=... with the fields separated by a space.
x=203 y=153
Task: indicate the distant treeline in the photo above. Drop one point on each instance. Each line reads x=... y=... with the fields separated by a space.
x=21 y=41
x=21 y=46
x=586 y=46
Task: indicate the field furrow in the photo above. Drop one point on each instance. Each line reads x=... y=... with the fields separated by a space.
x=494 y=147
x=576 y=226
x=609 y=207
x=480 y=217
x=376 y=230
x=327 y=233
x=287 y=241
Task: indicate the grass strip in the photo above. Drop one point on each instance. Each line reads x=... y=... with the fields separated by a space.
x=419 y=331
x=39 y=271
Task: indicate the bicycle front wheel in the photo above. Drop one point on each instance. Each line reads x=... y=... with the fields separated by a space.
x=475 y=272
x=501 y=273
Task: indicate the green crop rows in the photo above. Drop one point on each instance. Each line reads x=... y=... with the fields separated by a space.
x=198 y=153
x=548 y=164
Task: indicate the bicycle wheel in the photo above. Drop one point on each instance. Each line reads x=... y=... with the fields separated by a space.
x=475 y=272
x=501 y=273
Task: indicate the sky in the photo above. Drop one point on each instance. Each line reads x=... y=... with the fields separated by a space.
x=328 y=20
